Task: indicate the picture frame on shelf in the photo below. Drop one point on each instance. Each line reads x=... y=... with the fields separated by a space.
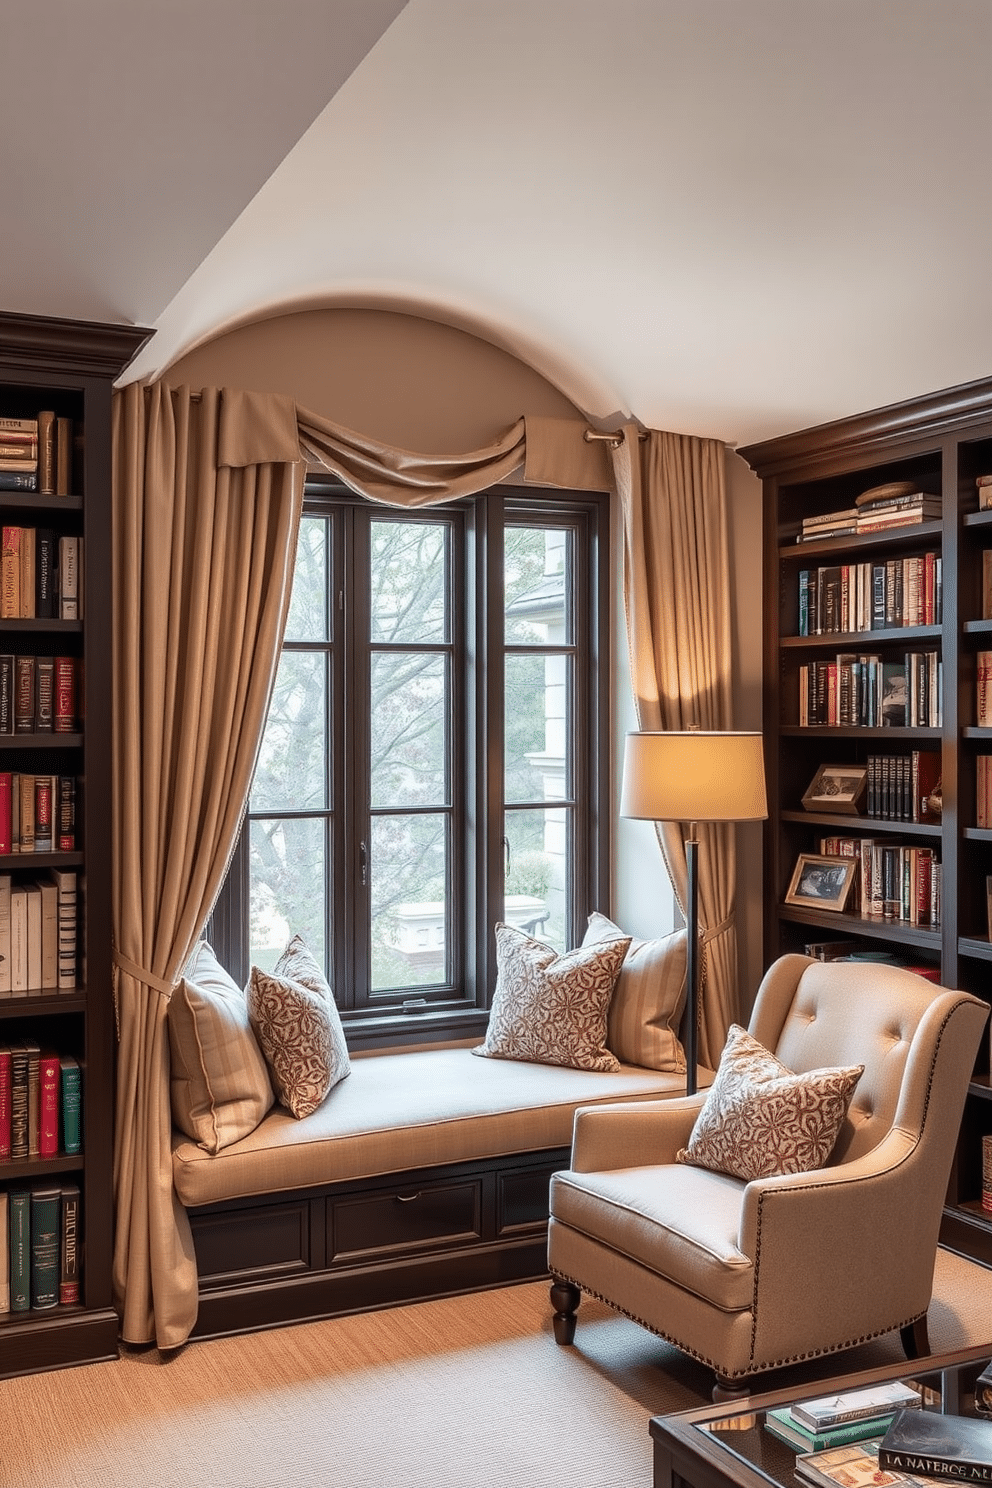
x=837 y=789
x=821 y=882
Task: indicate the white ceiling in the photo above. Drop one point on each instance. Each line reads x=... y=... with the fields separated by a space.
x=725 y=217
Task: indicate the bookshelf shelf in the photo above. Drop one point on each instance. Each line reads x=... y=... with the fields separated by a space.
x=65 y=369
x=941 y=444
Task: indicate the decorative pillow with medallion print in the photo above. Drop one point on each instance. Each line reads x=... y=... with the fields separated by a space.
x=298 y=1027
x=759 y=1118
x=552 y=1009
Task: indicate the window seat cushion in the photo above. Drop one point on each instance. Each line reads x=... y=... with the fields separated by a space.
x=408 y=1110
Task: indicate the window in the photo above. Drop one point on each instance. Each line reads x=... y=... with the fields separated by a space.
x=432 y=758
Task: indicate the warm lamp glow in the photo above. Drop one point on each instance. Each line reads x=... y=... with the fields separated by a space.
x=694 y=776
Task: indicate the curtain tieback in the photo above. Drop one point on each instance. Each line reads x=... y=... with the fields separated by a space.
x=147 y=978
x=721 y=929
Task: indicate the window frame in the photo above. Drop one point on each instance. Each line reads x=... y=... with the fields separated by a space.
x=477 y=618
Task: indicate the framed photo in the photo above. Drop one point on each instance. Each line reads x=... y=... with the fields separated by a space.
x=820 y=882
x=837 y=788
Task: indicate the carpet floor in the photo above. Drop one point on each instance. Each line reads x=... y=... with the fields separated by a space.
x=460 y=1393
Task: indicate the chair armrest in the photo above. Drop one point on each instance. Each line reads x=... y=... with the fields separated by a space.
x=632 y=1134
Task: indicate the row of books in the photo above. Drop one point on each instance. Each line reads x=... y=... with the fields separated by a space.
x=892 y=880
x=39 y=574
x=36 y=454
x=907 y=508
x=983 y=790
x=38 y=934
x=850 y=597
x=37 y=812
x=899 y=786
x=40 y=1101
x=863 y=691
x=40 y=1247
x=39 y=694
x=983 y=689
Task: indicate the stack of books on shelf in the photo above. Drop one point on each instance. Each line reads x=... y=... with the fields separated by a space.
x=40 y=1247
x=835 y=1420
x=38 y=924
x=897 y=504
x=851 y=597
x=900 y=786
x=864 y=691
x=40 y=1101
x=893 y=881
x=983 y=780
x=36 y=454
x=855 y=950
x=39 y=694
x=37 y=812
x=39 y=574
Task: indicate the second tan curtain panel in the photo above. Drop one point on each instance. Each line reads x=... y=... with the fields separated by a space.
x=676 y=577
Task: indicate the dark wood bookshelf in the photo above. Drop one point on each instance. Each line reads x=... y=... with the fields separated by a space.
x=940 y=442
x=70 y=367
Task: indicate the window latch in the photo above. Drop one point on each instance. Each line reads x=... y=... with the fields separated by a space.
x=363 y=862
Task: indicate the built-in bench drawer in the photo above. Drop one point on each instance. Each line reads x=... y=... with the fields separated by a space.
x=404 y=1219
x=522 y=1197
x=256 y=1242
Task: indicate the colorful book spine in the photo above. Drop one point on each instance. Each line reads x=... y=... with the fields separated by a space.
x=20 y=1250
x=6 y=811
x=46 y=1209
x=72 y=1125
x=5 y=890
x=5 y=1103
x=66 y=808
x=18 y=1099
x=65 y=716
x=4 y=1251
x=44 y=694
x=50 y=1077
x=69 y=1247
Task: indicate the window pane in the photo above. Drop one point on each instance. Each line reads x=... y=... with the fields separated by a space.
x=536 y=885
x=537 y=578
x=410 y=881
x=292 y=764
x=410 y=709
x=409 y=581
x=308 y=608
x=537 y=727
x=288 y=887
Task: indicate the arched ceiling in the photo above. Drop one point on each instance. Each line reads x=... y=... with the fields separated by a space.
x=725 y=217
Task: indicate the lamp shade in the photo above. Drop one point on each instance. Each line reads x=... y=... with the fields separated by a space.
x=694 y=776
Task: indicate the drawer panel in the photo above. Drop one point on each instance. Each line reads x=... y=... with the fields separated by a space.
x=264 y=1240
x=522 y=1197
x=404 y=1219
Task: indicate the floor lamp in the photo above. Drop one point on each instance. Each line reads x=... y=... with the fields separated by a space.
x=692 y=777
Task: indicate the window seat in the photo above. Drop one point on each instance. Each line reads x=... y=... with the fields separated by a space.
x=423 y=1173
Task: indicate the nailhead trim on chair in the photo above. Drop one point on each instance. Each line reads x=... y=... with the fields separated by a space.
x=685 y=1348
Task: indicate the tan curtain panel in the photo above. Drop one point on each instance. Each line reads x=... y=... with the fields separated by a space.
x=203 y=563
x=676 y=577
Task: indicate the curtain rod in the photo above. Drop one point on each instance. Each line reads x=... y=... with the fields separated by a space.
x=613 y=436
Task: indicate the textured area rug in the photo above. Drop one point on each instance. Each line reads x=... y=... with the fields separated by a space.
x=460 y=1393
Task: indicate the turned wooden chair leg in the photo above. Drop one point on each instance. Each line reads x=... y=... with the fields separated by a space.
x=727 y=1390
x=916 y=1339
x=565 y=1300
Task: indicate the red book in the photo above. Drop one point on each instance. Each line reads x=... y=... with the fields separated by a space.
x=64 y=717
x=5 y=820
x=50 y=1076
x=4 y=1103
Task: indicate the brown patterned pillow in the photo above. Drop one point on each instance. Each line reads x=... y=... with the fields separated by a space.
x=760 y=1119
x=298 y=1028
x=552 y=1009
x=648 y=999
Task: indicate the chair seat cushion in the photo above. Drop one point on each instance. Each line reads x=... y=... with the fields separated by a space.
x=679 y=1222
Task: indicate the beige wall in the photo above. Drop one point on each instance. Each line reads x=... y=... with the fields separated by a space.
x=429 y=387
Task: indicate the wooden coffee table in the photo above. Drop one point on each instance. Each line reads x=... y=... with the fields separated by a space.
x=727 y=1446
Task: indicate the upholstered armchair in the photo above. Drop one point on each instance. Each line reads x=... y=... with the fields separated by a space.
x=750 y=1275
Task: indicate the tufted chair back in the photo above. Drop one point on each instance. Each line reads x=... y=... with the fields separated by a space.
x=852 y=1012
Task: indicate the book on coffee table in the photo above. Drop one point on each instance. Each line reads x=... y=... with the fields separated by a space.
x=853 y=1466
x=938 y=1446
x=781 y=1423
x=854 y=1405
